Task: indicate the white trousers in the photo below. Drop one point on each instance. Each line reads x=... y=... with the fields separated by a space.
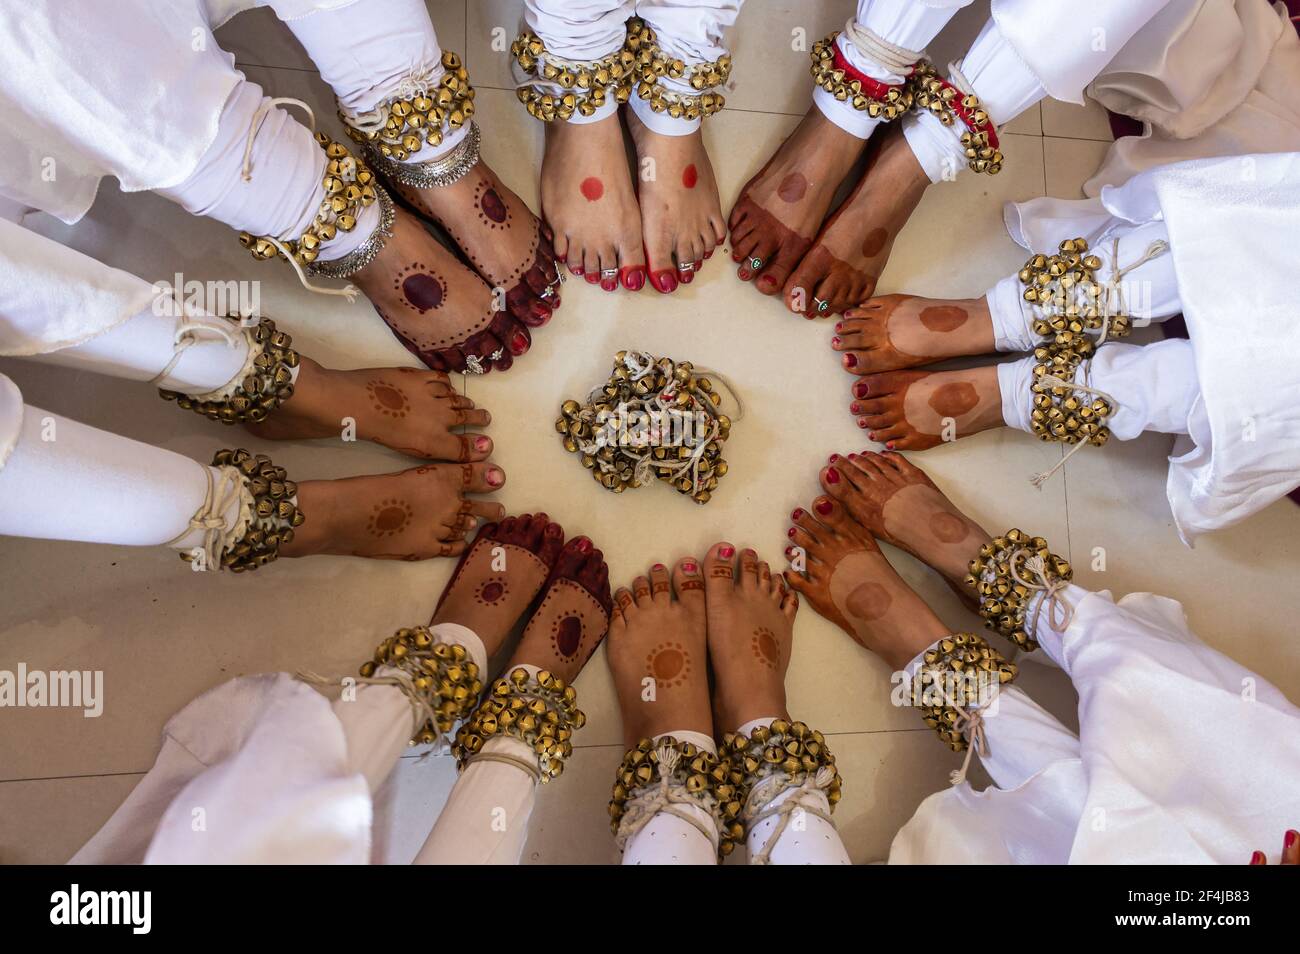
x=693 y=31
x=1182 y=756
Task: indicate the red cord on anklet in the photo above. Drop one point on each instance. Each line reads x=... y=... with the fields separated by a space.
x=872 y=88
x=964 y=115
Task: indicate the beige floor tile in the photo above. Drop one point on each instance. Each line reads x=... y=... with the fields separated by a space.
x=1089 y=121
x=46 y=821
x=1070 y=163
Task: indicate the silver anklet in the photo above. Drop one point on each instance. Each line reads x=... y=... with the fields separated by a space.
x=367 y=251
x=436 y=173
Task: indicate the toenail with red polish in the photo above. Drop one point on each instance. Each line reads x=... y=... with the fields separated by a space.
x=889 y=446
x=1258 y=858
x=855 y=408
x=664 y=280
x=727 y=552
x=860 y=389
x=688 y=568
x=862 y=423
x=798 y=512
x=519 y=343
x=495 y=477
x=634 y=278
x=593 y=278
x=850 y=360
x=839 y=326
x=835 y=342
x=575 y=269
x=768 y=282
x=832 y=476
x=482 y=444
x=658 y=566
x=583 y=545
x=823 y=507
x=834 y=457
x=790 y=533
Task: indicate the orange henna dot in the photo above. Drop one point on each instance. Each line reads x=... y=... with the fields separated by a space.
x=868 y=602
x=792 y=187
x=955 y=399
x=592 y=188
x=668 y=664
x=690 y=176
x=389 y=396
x=943 y=317
x=948 y=527
x=874 y=243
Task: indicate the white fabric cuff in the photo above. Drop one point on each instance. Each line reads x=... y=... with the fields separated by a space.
x=450 y=633
x=935 y=146
x=1010 y=321
x=660 y=123
x=1014 y=378
x=1005 y=85
x=1153 y=385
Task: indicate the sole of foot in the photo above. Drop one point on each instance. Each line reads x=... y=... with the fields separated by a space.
x=573 y=615
x=917 y=410
x=590 y=206
x=415 y=514
x=897 y=502
x=893 y=332
x=781 y=209
x=850 y=252
x=848 y=580
x=681 y=217
x=658 y=653
x=408 y=410
x=751 y=632
x=441 y=311
x=499 y=576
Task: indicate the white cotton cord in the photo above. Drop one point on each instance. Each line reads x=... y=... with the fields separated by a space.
x=970 y=722
x=210 y=518
x=1052 y=381
x=1052 y=590
x=759 y=808
x=189 y=332
x=348 y=291
x=1112 y=290
x=421 y=711
x=895 y=58
x=412 y=85
x=668 y=798
x=525 y=766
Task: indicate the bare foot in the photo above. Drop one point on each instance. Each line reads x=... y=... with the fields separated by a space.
x=897 y=502
x=587 y=199
x=499 y=576
x=658 y=656
x=573 y=616
x=852 y=248
x=915 y=410
x=780 y=210
x=902 y=331
x=751 y=630
x=440 y=310
x=681 y=218
x=848 y=580
x=409 y=410
x=411 y=515
x=500 y=236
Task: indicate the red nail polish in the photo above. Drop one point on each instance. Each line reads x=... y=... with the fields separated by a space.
x=575 y=269
x=860 y=389
x=839 y=327
x=834 y=458
x=727 y=552
x=835 y=342
x=593 y=278
x=685 y=277
x=736 y=256
x=583 y=545
x=823 y=507
x=1291 y=837
x=482 y=444
x=789 y=551
x=634 y=278
x=790 y=533
x=862 y=423
x=850 y=360
x=798 y=512
x=495 y=477
x=658 y=566
x=832 y=476
x=871 y=436
x=664 y=280
x=889 y=445
x=1258 y=858
x=767 y=282
x=541 y=312
x=709 y=253
x=688 y=568
x=855 y=408
x=519 y=343
x=853 y=457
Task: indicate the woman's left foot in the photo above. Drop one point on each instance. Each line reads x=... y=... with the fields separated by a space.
x=916 y=410
x=902 y=331
x=504 y=242
x=406 y=409
x=681 y=217
x=573 y=616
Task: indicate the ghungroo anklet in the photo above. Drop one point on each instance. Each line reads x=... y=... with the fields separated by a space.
x=265 y=382
x=272 y=512
x=1009 y=572
x=668 y=776
x=960 y=675
x=552 y=88
x=440 y=679
x=434 y=173
x=1066 y=411
x=421 y=114
x=950 y=104
x=653 y=66
x=538 y=710
x=1070 y=306
x=832 y=71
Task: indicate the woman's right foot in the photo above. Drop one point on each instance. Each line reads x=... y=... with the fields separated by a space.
x=499 y=577
x=658 y=656
x=781 y=209
x=590 y=205
x=411 y=515
x=916 y=410
x=902 y=331
x=848 y=580
x=440 y=310
x=896 y=501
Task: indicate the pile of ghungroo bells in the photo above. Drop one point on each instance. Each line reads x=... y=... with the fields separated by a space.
x=349 y=186
x=538 y=710
x=441 y=674
x=922 y=89
x=961 y=669
x=1002 y=597
x=1074 y=313
x=274 y=515
x=638 y=66
x=661 y=393
x=268 y=384
x=423 y=119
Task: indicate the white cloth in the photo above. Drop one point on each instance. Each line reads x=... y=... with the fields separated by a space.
x=690 y=30
x=1154 y=387
x=1230 y=220
x=279 y=775
x=1147 y=293
x=1182 y=757
x=906 y=23
x=11 y=418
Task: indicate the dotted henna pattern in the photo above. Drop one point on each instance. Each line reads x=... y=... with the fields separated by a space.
x=492 y=591
x=387 y=399
x=766 y=648
x=669 y=664
x=390 y=517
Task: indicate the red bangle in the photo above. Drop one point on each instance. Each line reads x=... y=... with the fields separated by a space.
x=872 y=88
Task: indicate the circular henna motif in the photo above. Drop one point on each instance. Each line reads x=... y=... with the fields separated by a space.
x=668 y=664
x=388 y=400
x=490 y=592
x=389 y=518
x=766 y=649
x=567 y=637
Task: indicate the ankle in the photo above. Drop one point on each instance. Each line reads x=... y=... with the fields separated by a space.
x=923 y=631
x=318 y=503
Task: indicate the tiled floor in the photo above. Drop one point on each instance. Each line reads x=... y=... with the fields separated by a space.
x=162 y=636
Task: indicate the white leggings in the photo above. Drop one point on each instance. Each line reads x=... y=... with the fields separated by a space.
x=690 y=30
